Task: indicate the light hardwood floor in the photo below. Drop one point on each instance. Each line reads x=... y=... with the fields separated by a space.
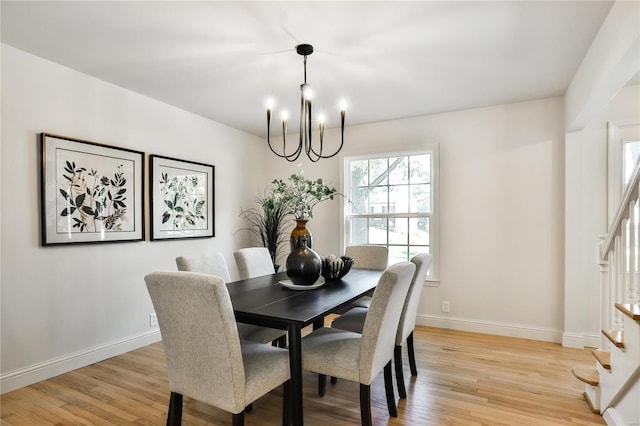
x=463 y=379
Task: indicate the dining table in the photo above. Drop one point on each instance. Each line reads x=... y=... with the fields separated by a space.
x=270 y=302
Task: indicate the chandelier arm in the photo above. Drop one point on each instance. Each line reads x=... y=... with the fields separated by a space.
x=319 y=155
x=289 y=157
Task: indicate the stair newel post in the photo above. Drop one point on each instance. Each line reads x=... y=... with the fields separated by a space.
x=616 y=318
x=633 y=288
x=605 y=286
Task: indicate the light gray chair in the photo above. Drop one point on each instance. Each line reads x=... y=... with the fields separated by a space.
x=213 y=263
x=365 y=257
x=206 y=360
x=361 y=357
x=354 y=320
x=253 y=262
x=368 y=256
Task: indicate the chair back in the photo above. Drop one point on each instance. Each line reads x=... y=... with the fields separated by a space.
x=253 y=262
x=381 y=324
x=410 y=309
x=200 y=337
x=210 y=263
x=368 y=257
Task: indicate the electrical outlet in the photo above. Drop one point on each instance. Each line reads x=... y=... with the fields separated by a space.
x=446 y=307
x=153 y=320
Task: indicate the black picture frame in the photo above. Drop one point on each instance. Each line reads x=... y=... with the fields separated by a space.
x=182 y=201
x=90 y=192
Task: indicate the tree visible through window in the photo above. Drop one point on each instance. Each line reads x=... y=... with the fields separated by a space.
x=392 y=202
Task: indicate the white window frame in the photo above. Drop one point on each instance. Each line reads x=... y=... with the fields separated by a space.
x=434 y=217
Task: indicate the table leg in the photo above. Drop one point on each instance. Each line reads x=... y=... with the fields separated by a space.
x=295 y=366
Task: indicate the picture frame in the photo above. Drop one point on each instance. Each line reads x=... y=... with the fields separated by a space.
x=90 y=192
x=182 y=199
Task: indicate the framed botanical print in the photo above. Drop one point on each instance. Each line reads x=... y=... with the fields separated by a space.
x=90 y=192
x=182 y=204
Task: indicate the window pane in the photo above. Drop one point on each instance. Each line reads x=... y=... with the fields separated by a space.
x=398 y=230
x=378 y=172
x=398 y=170
x=420 y=198
x=378 y=200
x=359 y=198
x=397 y=254
x=359 y=173
x=420 y=168
x=631 y=154
x=378 y=230
x=419 y=231
x=399 y=199
x=359 y=231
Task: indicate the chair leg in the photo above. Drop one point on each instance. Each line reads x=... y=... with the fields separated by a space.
x=397 y=361
x=388 y=386
x=238 y=419
x=412 y=355
x=248 y=408
x=282 y=341
x=174 y=417
x=286 y=415
x=365 y=405
x=334 y=380
x=322 y=384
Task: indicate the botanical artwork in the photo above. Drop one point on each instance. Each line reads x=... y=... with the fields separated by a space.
x=181 y=198
x=93 y=199
x=184 y=195
x=90 y=192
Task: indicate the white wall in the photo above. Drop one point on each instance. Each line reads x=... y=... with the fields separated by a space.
x=64 y=307
x=502 y=205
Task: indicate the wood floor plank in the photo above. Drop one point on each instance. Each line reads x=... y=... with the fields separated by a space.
x=463 y=379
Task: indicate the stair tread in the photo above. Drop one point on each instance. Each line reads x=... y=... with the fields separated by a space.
x=632 y=310
x=587 y=375
x=615 y=336
x=603 y=357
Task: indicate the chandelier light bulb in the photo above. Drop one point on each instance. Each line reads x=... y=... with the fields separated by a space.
x=307 y=92
x=284 y=115
x=321 y=119
x=343 y=105
x=270 y=104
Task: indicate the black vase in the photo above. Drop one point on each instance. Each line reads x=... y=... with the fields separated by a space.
x=304 y=265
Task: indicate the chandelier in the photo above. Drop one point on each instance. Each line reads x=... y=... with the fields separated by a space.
x=305 y=142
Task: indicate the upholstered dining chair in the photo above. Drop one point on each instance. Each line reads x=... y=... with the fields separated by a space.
x=361 y=357
x=213 y=263
x=365 y=257
x=354 y=319
x=206 y=360
x=253 y=262
x=368 y=256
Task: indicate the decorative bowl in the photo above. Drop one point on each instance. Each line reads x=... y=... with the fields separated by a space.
x=334 y=268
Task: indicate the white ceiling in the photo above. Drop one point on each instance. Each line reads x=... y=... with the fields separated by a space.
x=389 y=60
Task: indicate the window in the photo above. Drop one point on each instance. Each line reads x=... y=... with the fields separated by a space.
x=393 y=203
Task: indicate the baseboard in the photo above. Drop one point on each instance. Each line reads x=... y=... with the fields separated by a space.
x=45 y=370
x=488 y=327
x=580 y=340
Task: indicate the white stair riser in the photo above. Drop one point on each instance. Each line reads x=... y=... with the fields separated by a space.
x=624 y=363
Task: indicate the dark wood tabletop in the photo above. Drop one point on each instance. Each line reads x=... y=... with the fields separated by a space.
x=264 y=301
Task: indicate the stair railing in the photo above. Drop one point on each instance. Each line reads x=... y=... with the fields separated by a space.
x=619 y=263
